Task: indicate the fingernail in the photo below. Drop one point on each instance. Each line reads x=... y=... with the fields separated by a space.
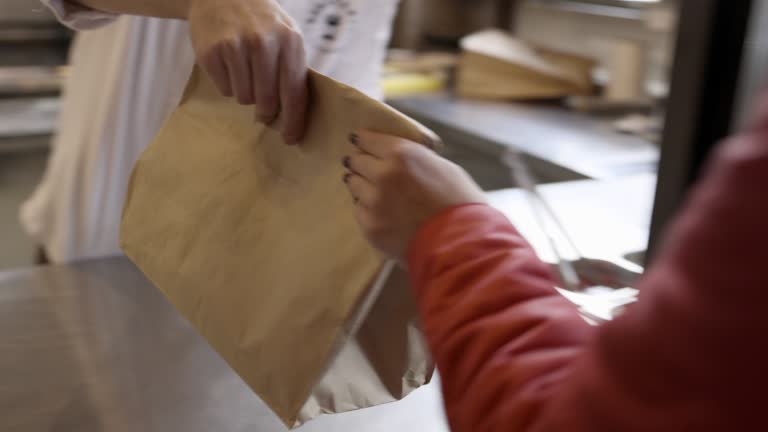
x=346 y=177
x=245 y=100
x=354 y=139
x=265 y=118
x=346 y=162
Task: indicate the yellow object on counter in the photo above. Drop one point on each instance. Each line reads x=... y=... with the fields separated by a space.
x=405 y=84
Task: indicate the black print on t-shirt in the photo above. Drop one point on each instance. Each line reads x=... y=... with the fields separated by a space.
x=326 y=23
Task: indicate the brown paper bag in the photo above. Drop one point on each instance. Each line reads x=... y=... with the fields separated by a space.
x=255 y=242
x=496 y=65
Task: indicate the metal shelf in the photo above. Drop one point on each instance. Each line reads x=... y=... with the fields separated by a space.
x=24 y=81
x=27 y=123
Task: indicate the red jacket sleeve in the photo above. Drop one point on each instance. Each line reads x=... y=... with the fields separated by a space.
x=690 y=356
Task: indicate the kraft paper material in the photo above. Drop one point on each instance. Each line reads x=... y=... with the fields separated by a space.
x=256 y=244
x=495 y=65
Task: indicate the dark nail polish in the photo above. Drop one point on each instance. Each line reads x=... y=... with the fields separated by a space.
x=354 y=139
x=266 y=117
x=244 y=100
x=346 y=162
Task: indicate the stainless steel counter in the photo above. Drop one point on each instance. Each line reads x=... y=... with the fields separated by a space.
x=606 y=219
x=95 y=347
x=559 y=145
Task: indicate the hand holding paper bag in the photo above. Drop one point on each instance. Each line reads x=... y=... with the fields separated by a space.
x=253 y=50
x=256 y=244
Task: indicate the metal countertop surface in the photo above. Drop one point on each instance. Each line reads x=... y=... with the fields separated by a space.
x=94 y=346
x=566 y=144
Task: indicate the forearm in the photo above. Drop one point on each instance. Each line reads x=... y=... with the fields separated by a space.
x=689 y=356
x=178 y=9
x=500 y=333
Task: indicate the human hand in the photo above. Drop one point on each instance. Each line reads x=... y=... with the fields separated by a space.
x=254 y=51
x=398 y=185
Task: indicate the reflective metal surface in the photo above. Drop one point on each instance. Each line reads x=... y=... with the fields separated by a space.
x=605 y=219
x=558 y=145
x=95 y=347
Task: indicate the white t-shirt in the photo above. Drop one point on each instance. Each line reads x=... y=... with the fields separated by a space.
x=127 y=75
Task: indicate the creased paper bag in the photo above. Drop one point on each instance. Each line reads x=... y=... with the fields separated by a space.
x=255 y=243
x=496 y=65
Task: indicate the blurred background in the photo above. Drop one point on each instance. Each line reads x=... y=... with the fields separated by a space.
x=577 y=87
x=33 y=54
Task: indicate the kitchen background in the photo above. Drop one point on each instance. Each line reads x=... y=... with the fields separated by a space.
x=33 y=47
x=33 y=51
